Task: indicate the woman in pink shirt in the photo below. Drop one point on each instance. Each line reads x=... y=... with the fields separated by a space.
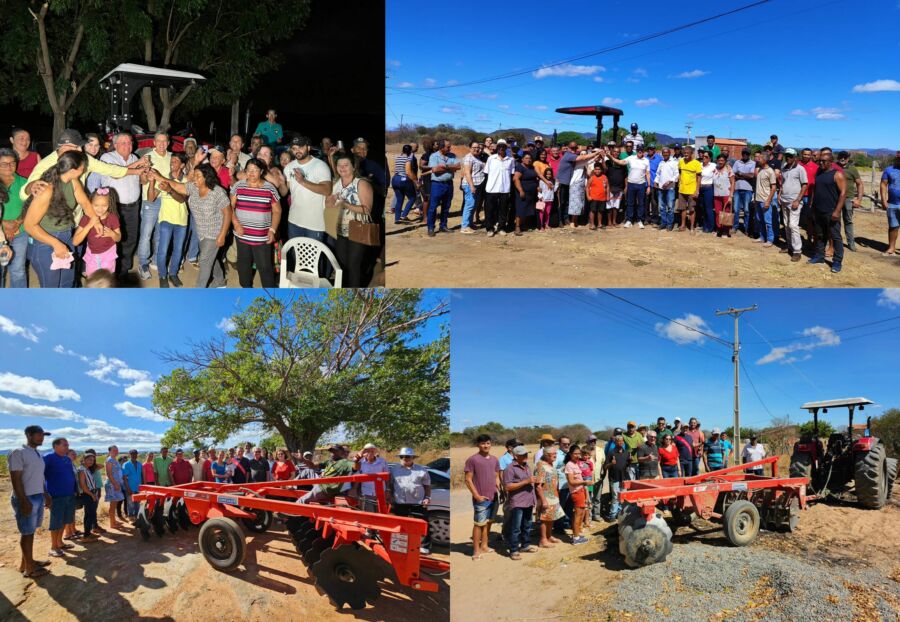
x=147 y=469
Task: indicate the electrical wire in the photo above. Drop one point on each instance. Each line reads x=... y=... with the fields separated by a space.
x=838 y=330
x=787 y=360
x=753 y=386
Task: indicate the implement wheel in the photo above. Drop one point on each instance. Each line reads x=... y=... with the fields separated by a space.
x=643 y=542
x=222 y=543
x=741 y=522
x=261 y=523
x=348 y=576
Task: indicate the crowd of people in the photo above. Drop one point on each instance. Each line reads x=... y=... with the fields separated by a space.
x=64 y=482
x=561 y=486
x=768 y=194
x=83 y=211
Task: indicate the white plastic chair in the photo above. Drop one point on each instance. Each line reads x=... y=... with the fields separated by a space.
x=306 y=264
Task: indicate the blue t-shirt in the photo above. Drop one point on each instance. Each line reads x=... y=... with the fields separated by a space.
x=715 y=454
x=134 y=472
x=892 y=175
x=219 y=471
x=654 y=164
x=439 y=158
x=59 y=475
x=566 y=168
x=685 y=449
x=505 y=460
x=728 y=447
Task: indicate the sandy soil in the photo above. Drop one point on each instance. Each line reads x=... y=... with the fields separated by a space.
x=827 y=535
x=123 y=577
x=620 y=258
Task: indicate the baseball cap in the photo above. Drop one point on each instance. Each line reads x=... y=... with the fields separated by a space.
x=591 y=438
x=70 y=137
x=790 y=151
x=538 y=138
x=677 y=146
x=133 y=451
x=502 y=141
x=369 y=446
x=632 y=424
x=360 y=141
x=715 y=430
x=640 y=147
x=190 y=139
x=651 y=146
x=634 y=125
x=179 y=451
x=610 y=143
x=617 y=431
x=520 y=450
x=36 y=429
x=300 y=141
x=218 y=148
x=307 y=454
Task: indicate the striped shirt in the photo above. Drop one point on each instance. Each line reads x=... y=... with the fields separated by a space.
x=400 y=164
x=253 y=209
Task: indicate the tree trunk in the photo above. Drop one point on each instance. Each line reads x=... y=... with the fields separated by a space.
x=59 y=124
x=236 y=116
x=299 y=440
x=149 y=108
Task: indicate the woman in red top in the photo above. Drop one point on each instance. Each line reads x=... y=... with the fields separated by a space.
x=284 y=469
x=668 y=456
x=147 y=468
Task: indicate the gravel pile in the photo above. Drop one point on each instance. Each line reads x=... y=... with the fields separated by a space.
x=700 y=582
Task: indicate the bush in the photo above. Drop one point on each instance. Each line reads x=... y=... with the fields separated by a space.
x=887 y=428
x=825 y=429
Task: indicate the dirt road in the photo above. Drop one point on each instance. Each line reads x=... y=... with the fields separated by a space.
x=123 y=577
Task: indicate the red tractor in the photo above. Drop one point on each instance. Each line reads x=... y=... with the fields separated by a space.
x=845 y=468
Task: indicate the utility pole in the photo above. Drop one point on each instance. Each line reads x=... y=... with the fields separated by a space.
x=689 y=126
x=736 y=359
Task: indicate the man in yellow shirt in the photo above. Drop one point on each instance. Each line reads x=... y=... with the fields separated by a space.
x=688 y=188
x=69 y=140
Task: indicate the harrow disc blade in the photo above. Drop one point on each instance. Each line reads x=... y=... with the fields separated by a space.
x=158 y=519
x=184 y=517
x=347 y=576
x=142 y=522
x=171 y=518
x=305 y=541
x=314 y=552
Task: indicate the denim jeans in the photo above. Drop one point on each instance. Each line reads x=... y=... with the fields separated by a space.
x=90 y=513
x=193 y=240
x=519 y=529
x=296 y=231
x=441 y=195
x=706 y=204
x=403 y=189
x=666 y=208
x=614 y=499
x=468 y=205
x=210 y=257
x=828 y=228
x=764 y=221
x=687 y=467
x=669 y=471
x=632 y=472
x=166 y=234
x=695 y=467
x=149 y=216
x=42 y=259
x=742 y=205
x=16 y=266
x=636 y=196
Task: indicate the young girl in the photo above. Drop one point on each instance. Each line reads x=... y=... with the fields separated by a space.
x=545 y=199
x=100 y=253
x=597 y=194
x=586 y=464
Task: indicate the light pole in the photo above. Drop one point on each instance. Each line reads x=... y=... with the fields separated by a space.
x=736 y=359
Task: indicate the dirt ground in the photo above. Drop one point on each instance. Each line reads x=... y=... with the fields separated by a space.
x=123 y=577
x=589 y=575
x=620 y=258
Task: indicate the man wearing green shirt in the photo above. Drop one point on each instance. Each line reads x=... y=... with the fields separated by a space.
x=269 y=131
x=161 y=467
x=712 y=148
x=338 y=466
x=633 y=439
x=855 y=192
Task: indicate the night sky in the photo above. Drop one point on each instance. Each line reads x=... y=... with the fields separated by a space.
x=341 y=52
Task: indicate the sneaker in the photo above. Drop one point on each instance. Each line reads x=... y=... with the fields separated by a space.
x=445 y=230
x=491 y=233
x=194 y=262
x=431 y=234
x=424 y=550
x=163 y=281
x=503 y=232
x=835 y=268
x=816 y=260
x=174 y=280
x=153 y=267
x=796 y=257
x=758 y=240
x=467 y=230
x=144 y=272
x=627 y=224
x=641 y=225
x=767 y=244
x=580 y=540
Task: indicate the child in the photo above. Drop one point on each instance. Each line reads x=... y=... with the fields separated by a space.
x=586 y=464
x=545 y=199
x=102 y=232
x=597 y=190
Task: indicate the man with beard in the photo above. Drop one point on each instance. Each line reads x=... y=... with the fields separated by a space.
x=827 y=203
x=792 y=178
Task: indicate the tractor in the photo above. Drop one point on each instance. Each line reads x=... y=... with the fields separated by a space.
x=845 y=468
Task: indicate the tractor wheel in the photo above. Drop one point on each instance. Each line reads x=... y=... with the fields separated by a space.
x=801 y=465
x=892 y=475
x=643 y=542
x=261 y=523
x=741 y=522
x=222 y=543
x=348 y=576
x=871 y=477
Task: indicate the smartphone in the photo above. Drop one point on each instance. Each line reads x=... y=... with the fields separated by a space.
x=340 y=144
x=205 y=149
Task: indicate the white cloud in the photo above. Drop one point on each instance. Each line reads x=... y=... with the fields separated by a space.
x=226 y=324
x=97 y=434
x=685 y=331
x=452 y=82
x=797 y=112
x=109 y=370
x=61 y=350
x=430 y=81
x=482 y=117
x=823 y=337
x=643 y=103
x=611 y=101
x=480 y=95
x=35 y=389
x=889 y=298
x=405 y=85
x=598 y=78
x=138 y=412
x=451 y=110
x=568 y=70
x=746 y=117
x=640 y=71
x=529 y=107
x=632 y=81
x=10 y=327
x=877 y=86
x=830 y=116
x=503 y=106
x=689 y=75
x=141 y=388
x=18 y=408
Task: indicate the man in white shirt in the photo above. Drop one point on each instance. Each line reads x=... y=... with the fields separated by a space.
x=667 y=183
x=128 y=190
x=635 y=137
x=309 y=180
x=160 y=159
x=498 y=169
x=638 y=186
x=752 y=452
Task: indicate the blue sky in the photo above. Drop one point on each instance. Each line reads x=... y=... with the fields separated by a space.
x=531 y=357
x=815 y=73
x=82 y=363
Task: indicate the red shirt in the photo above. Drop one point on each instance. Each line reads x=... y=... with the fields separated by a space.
x=224 y=178
x=668 y=456
x=811 y=168
x=95 y=242
x=283 y=471
x=149 y=475
x=27 y=164
x=180 y=472
x=207 y=470
x=597 y=187
x=554 y=163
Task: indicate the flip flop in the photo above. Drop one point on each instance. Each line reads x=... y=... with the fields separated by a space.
x=42 y=563
x=56 y=553
x=67 y=546
x=37 y=572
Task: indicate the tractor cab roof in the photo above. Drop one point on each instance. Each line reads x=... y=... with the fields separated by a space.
x=847 y=401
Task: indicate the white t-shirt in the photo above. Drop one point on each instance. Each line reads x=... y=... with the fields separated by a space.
x=637 y=169
x=307 y=207
x=499 y=173
x=706 y=175
x=752 y=454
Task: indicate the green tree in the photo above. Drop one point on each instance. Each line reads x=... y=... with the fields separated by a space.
x=564 y=138
x=887 y=428
x=825 y=428
x=353 y=361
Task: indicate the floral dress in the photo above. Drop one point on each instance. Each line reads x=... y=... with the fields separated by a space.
x=550 y=488
x=111 y=493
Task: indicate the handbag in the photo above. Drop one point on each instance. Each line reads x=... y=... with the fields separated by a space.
x=726 y=218
x=367 y=233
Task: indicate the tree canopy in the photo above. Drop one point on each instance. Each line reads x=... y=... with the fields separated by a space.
x=353 y=361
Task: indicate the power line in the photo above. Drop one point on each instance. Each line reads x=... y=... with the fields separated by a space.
x=753 y=386
x=838 y=330
x=787 y=360
x=613 y=48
